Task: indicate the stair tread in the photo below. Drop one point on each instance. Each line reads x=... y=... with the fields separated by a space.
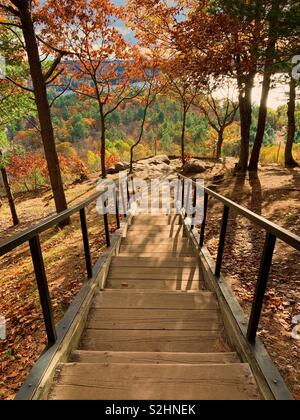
x=151 y=299
x=154 y=319
x=150 y=284
x=160 y=262
x=152 y=340
x=155 y=273
x=154 y=382
x=86 y=356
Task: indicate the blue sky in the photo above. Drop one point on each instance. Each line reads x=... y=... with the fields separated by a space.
x=128 y=35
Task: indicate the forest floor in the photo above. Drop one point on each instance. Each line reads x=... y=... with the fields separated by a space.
x=65 y=268
x=273 y=194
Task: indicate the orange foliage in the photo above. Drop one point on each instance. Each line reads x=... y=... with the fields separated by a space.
x=111 y=160
x=30 y=170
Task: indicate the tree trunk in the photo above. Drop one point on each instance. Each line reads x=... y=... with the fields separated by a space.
x=219 y=143
x=140 y=137
x=183 y=136
x=10 y=197
x=261 y=124
x=245 y=103
x=269 y=62
x=43 y=107
x=103 y=145
x=289 y=161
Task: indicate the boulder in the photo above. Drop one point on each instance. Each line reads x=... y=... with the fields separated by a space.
x=121 y=166
x=157 y=160
x=118 y=167
x=112 y=171
x=194 y=166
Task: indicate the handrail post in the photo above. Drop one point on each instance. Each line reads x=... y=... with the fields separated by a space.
x=194 y=205
x=203 y=224
x=261 y=286
x=117 y=209
x=132 y=184
x=177 y=198
x=123 y=199
x=86 y=244
x=182 y=194
x=128 y=193
x=41 y=279
x=222 y=241
x=106 y=225
x=187 y=200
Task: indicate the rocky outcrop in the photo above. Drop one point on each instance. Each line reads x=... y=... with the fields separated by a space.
x=194 y=166
x=158 y=160
x=118 y=167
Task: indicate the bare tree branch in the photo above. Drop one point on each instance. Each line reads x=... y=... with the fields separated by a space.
x=61 y=93
x=53 y=67
x=19 y=85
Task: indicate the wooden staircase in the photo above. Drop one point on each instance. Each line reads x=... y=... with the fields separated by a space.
x=153 y=332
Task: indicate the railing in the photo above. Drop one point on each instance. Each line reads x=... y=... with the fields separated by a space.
x=32 y=236
x=273 y=232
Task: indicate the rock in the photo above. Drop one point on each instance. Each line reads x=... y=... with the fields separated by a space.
x=157 y=160
x=112 y=171
x=120 y=166
x=194 y=166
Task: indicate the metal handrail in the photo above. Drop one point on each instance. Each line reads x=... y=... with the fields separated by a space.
x=32 y=236
x=273 y=232
x=13 y=242
x=280 y=233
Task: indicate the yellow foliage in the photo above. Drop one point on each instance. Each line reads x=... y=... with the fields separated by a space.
x=232 y=133
x=275 y=153
x=67 y=150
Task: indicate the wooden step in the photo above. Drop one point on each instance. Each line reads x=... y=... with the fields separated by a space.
x=130 y=253
x=156 y=241
x=156 y=223
x=154 y=319
x=155 y=273
x=85 y=356
x=156 y=234
x=154 y=300
x=154 y=382
x=152 y=340
x=154 y=284
x=155 y=229
x=161 y=262
x=156 y=250
x=157 y=220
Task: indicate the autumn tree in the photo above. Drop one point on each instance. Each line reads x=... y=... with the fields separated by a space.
x=181 y=86
x=219 y=112
x=278 y=26
x=222 y=38
x=21 y=14
x=101 y=62
x=15 y=104
x=151 y=80
x=290 y=51
x=289 y=160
